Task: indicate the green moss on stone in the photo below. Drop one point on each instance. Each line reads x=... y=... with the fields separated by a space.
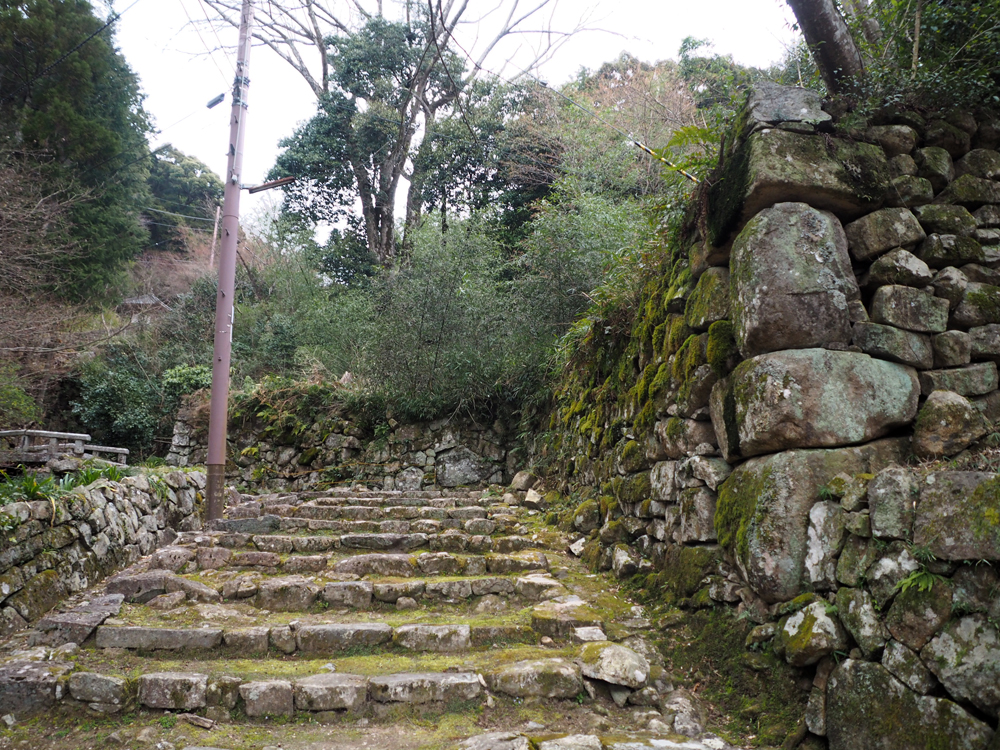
x=986 y=299
x=738 y=505
x=721 y=346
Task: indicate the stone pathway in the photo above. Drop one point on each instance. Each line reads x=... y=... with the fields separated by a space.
x=327 y=620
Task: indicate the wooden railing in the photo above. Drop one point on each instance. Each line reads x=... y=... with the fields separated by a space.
x=39 y=446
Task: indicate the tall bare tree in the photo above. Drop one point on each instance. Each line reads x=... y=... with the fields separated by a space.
x=834 y=49
x=446 y=46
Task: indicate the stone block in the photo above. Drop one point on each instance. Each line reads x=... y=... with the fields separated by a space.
x=150 y=639
x=289 y=594
x=891 y=498
x=825 y=539
x=861 y=694
x=799 y=256
x=810 y=398
x=334 y=638
x=936 y=165
x=762 y=516
x=954 y=348
x=894 y=344
x=980 y=306
x=173 y=691
x=910 y=309
x=965 y=657
x=857 y=612
x=426 y=687
x=90 y=687
x=614 y=663
x=558 y=617
x=906 y=191
x=971 y=192
x=973 y=380
x=709 y=301
x=330 y=692
x=354 y=594
x=247 y=640
x=268 y=698
x=391 y=565
x=437 y=638
x=539 y=678
x=946 y=424
x=808 y=635
x=881 y=231
x=943 y=250
x=894 y=139
x=27 y=687
x=956 y=515
x=899 y=267
x=946 y=220
x=697 y=515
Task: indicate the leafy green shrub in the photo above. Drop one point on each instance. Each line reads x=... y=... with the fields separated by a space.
x=17 y=408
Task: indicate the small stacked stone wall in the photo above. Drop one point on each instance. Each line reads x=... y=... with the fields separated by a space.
x=336 y=450
x=831 y=315
x=95 y=531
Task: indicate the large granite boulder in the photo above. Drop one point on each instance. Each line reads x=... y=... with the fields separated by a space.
x=791 y=280
x=965 y=656
x=762 y=514
x=869 y=709
x=775 y=166
x=958 y=516
x=810 y=398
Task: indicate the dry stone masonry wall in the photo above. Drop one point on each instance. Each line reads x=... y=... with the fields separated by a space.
x=336 y=450
x=53 y=549
x=834 y=318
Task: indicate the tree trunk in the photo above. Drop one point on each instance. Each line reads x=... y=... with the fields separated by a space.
x=825 y=31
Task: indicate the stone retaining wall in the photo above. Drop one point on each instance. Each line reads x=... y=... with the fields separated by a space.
x=337 y=451
x=831 y=315
x=97 y=530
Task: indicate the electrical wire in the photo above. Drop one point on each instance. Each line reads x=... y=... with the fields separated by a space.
x=171 y=213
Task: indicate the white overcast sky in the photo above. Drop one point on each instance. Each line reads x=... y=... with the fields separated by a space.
x=179 y=77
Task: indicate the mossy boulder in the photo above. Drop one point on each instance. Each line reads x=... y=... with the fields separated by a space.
x=943 y=134
x=910 y=309
x=972 y=380
x=587 y=516
x=614 y=663
x=980 y=306
x=943 y=250
x=918 y=613
x=971 y=192
x=866 y=707
x=811 y=398
x=965 y=657
x=936 y=165
x=538 y=678
x=943 y=219
x=894 y=139
x=775 y=166
x=980 y=162
x=899 y=267
x=958 y=516
x=909 y=191
x=892 y=495
x=946 y=424
x=792 y=281
x=762 y=515
x=680 y=438
x=954 y=348
x=808 y=635
x=881 y=231
x=710 y=300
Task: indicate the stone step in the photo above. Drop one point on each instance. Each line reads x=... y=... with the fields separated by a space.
x=313 y=640
x=340 y=511
x=308 y=557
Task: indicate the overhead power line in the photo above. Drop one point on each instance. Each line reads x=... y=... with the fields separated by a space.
x=171 y=213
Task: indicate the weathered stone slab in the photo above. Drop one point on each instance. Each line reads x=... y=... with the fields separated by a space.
x=247 y=640
x=544 y=678
x=946 y=424
x=899 y=267
x=90 y=687
x=856 y=610
x=268 y=698
x=860 y=695
x=954 y=348
x=810 y=398
x=521 y=563
x=330 y=692
x=808 y=635
x=77 y=625
x=772 y=103
x=905 y=666
x=971 y=192
x=942 y=250
x=263 y=525
x=957 y=516
x=397 y=566
x=826 y=537
x=27 y=687
x=891 y=497
x=762 y=516
x=149 y=639
x=174 y=691
x=289 y=594
x=979 y=306
x=390 y=592
x=441 y=638
x=791 y=281
x=333 y=638
x=559 y=617
x=425 y=687
x=355 y=594
x=776 y=166
x=974 y=380
x=497 y=741
x=709 y=301
x=894 y=344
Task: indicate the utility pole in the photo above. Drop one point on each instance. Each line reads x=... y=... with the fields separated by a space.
x=225 y=297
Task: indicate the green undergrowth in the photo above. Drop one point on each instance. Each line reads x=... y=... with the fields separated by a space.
x=753 y=696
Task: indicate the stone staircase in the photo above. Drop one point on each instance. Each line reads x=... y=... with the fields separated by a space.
x=351 y=619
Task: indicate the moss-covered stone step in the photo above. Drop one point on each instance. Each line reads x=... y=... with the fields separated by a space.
x=314 y=512
x=326 y=639
x=334 y=565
